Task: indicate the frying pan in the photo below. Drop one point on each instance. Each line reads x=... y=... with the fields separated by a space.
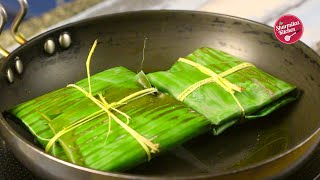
x=271 y=147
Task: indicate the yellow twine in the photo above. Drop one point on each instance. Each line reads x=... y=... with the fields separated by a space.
x=196 y=85
x=228 y=86
x=146 y=144
x=217 y=78
x=236 y=68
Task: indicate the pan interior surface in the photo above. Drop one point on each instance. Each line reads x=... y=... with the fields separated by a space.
x=171 y=35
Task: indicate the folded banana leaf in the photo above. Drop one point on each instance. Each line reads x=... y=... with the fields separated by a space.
x=255 y=94
x=55 y=103
x=103 y=143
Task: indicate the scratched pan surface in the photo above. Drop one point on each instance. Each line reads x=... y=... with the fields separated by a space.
x=272 y=146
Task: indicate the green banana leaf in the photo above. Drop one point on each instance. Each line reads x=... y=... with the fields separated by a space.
x=56 y=102
x=261 y=95
x=157 y=117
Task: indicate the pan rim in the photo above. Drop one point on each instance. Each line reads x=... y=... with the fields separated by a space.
x=130 y=176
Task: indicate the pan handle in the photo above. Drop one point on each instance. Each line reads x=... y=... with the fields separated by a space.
x=4 y=52
x=17 y=36
x=17 y=21
x=3 y=20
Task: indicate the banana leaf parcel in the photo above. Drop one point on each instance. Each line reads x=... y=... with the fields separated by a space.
x=112 y=121
x=223 y=88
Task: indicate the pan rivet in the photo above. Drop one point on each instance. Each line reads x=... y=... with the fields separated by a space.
x=49 y=46
x=65 y=40
x=10 y=75
x=19 y=65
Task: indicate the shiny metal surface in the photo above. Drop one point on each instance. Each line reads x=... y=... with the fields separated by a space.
x=18 y=65
x=269 y=147
x=3 y=20
x=17 y=21
x=49 y=46
x=10 y=75
x=65 y=40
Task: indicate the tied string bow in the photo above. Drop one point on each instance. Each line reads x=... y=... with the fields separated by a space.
x=107 y=108
x=217 y=78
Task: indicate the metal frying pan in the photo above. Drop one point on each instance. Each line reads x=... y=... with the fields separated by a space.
x=269 y=147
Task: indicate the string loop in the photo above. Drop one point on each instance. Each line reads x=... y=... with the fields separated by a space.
x=107 y=108
x=217 y=78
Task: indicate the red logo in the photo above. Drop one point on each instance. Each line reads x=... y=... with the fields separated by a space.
x=288 y=29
